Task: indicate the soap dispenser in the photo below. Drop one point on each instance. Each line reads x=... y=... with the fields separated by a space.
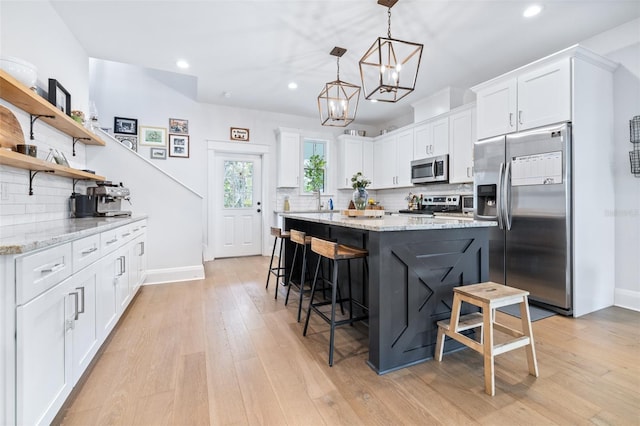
x=287 y=207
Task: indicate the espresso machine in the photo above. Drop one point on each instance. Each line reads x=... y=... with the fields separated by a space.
x=108 y=199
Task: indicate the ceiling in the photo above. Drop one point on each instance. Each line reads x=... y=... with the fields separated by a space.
x=251 y=50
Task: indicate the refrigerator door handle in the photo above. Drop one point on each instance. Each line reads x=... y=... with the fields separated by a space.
x=506 y=185
x=499 y=200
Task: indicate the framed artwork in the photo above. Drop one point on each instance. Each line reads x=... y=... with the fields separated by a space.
x=126 y=126
x=179 y=126
x=179 y=146
x=59 y=96
x=153 y=136
x=238 y=134
x=130 y=142
x=158 y=153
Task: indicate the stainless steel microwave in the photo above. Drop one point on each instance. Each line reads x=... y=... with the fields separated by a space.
x=432 y=169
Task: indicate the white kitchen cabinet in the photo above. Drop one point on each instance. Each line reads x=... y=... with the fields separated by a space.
x=106 y=299
x=539 y=96
x=85 y=333
x=138 y=266
x=288 y=158
x=462 y=135
x=431 y=138
x=392 y=155
x=355 y=154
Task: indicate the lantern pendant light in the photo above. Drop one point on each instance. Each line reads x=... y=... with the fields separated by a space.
x=338 y=101
x=389 y=68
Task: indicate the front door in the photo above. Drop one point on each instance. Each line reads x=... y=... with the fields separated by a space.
x=238 y=205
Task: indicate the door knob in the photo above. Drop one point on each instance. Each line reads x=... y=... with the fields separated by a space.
x=258 y=203
x=259 y=210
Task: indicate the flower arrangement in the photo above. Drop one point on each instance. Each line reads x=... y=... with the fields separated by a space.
x=358 y=181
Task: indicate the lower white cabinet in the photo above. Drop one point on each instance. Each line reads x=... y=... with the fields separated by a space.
x=60 y=327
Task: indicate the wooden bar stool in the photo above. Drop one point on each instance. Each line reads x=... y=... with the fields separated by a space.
x=301 y=239
x=280 y=270
x=488 y=296
x=335 y=253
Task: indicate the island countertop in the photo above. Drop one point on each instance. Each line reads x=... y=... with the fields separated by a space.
x=393 y=222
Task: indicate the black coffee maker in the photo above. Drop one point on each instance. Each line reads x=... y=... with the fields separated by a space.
x=82 y=205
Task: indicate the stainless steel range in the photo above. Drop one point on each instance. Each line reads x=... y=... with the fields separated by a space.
x=438 y=204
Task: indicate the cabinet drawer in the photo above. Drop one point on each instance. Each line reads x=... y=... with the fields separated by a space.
x=85 y=251
x=110 y=240
x=138 y=228
x=40 y=271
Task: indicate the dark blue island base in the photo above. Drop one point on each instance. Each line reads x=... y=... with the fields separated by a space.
x=409 y=285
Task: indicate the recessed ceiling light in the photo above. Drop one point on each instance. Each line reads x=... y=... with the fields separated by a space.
x=182 y=64
x=293 y=85
x=532 y=11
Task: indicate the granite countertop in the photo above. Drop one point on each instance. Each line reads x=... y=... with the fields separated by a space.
x=16 y=239
x=393 y=222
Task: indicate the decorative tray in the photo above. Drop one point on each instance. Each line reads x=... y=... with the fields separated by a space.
x=362 y=213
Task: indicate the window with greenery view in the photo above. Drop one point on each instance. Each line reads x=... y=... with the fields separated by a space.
x=314 y=165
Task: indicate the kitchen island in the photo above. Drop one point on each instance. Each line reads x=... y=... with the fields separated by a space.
x=413 y=265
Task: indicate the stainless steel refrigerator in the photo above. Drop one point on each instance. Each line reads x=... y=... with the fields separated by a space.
x=523 y=181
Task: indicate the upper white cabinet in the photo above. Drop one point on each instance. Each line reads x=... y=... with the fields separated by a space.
x=392 y=155
x=462 y=135
x=288 y=158
x=355 y=154
x=431 y=138
x=532 y=98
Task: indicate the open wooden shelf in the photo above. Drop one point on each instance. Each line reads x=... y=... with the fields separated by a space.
x=21 y=161
x=24 y=98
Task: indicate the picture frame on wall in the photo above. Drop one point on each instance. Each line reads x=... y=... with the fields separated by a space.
x=179 y=146
x=129 y=141
x=59 y=97
x=125 y=126
x=153 y=136
x=158 y=153
x=179 y=126
x=239 y=134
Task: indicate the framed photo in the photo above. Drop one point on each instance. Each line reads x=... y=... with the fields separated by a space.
x=179 y=126
x=158 y=153
x=59 y=96
x=153 y=136
x=179 y=146
x=126 y=126
x=238 y=134
x=130 y=142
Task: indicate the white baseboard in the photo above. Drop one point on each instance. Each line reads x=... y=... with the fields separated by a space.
x=171 y=275
x=627 y=299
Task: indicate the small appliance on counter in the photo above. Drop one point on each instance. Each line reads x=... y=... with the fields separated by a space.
x=82 y=205
x=108 y=199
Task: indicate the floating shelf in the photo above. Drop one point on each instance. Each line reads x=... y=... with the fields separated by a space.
x=21 y=161
x=24 y=98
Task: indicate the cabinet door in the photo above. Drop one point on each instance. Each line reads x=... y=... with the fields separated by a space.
x=138 y=264
x=288 y=162
x=462 y=134
x=43 y=364
x=367 y=160
x=439 y=136
x=421 y=142
x=106 y=301
x=544 y=95
x=350 y=160
x=123 y=290
x=85 y=334
x=384 y=162
x=404 y=156
x=497 y=109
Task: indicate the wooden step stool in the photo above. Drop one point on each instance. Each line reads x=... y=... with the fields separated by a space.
x=488 y=296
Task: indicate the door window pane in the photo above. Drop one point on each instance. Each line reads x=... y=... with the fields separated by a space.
x=238 y=184
x=314 y=149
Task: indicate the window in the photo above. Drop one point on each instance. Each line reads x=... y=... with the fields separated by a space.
x=314 y=162
x=238 y=184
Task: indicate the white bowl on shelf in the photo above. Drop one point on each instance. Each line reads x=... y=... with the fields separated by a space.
x=23 y=71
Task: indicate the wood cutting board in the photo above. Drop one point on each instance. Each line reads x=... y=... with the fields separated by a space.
x=10 y=129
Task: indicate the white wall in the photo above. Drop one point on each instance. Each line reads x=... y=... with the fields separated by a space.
x=622 y=44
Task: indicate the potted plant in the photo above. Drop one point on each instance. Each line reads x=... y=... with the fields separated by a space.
x=314 y=175
x=360 y=196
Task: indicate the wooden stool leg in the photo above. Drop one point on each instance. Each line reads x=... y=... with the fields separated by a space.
x=528 y=331
x=273 y=253
x=313 y=292
x=487 y=348
x=334 y=292
x=293 y=262
x=439 y=345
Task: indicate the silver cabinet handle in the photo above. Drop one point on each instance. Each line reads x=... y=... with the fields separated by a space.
x=112 y=241
x=91 y=250
x=510 y=119
x=75 y=297
x=126 y=235
x=141 y=248
x=54 y=268
x=81 y=290
x=520 y=117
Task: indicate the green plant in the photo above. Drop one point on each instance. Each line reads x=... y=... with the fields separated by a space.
x=314 y=173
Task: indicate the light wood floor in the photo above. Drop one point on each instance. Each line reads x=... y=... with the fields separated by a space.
x=222 y=351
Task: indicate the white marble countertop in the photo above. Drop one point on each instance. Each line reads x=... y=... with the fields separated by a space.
x=393 y=222
x=16 y=239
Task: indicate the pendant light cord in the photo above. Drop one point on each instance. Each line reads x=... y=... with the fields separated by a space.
x=389 y=23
